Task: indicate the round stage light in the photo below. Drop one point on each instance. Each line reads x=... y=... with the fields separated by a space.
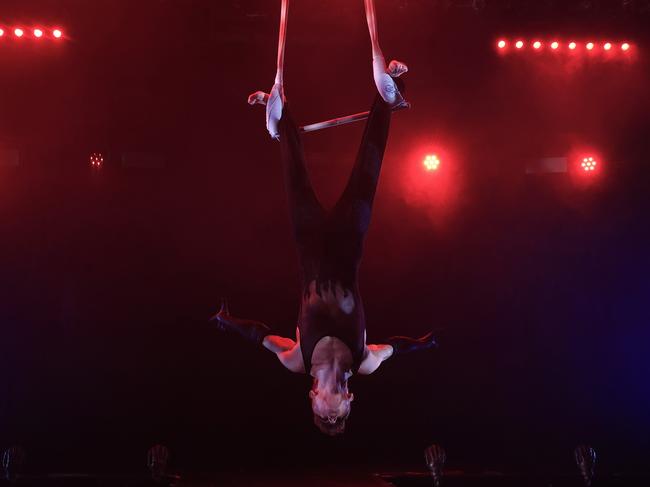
x=589 y=164
x=555 y=45
x=501 y=44
x=57 y=33
x=572 y=45
x=590 y=46
x=38 y=33
x=519 y=44
x=2 y=32
x=19 y=32
x=96 y=160
x=608 y=46
x=625 y=46
x=431 y=162
x=537 y=45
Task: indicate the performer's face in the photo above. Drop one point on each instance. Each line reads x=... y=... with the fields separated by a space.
x=331 y=405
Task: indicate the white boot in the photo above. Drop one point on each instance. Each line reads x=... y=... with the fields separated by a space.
x=384 y=80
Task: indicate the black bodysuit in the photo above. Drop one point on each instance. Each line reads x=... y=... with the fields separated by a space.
x=330 y=242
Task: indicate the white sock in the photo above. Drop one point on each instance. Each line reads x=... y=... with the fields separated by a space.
x=384 y=82
x=274 y=108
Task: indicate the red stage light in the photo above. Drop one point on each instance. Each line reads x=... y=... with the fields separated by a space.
x=18 y=32
x=607 y=46
x=590 y=45
x=589 y=164
x=519 y=44
x=38 y=33
x=431 y=162
x=555 y=45
x=2 y=32
x=57 y=33
x=537 y=45
x=96 y=160
x=625 y=46
x=501 y=44
x=572 y=46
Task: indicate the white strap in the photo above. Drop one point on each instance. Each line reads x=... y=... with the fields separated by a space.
x=282 y=40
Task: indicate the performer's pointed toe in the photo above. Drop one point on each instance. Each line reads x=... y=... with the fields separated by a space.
x=397 y=69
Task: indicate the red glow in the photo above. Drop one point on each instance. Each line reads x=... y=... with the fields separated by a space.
x=625 y=46
x=436 y=192
x=431 y=162
x=572 y=46
x=607 y=46
x=18 y=32
x=590 y=45
x=502 y=44
x=537 y=45
x=555 y=45
x=38 y=33
x=57 y=33
x=519 y=44
x=2 y=32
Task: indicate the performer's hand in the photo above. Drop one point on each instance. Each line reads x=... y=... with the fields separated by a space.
x=428 y=340
x=222 y=316
x=254 y=331
x=402 y=345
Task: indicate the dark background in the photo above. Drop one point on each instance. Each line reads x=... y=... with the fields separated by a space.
x=540 y=282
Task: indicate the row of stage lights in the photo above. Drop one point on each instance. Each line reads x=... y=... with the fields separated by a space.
x=537 y=45
x=36 y=33
x=432 y=163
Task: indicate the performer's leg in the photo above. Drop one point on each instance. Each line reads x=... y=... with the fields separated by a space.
x=355 y=205
x=275 y=100
x=306 y=211
x=383 y=76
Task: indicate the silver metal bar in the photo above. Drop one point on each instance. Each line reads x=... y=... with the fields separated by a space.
x=336 y=122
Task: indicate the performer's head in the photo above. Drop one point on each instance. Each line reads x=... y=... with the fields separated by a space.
x=331 y=405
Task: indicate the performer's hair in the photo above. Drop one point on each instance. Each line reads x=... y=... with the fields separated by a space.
x=330 y=429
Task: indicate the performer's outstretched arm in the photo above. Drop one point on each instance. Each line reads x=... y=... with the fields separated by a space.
x=287 y=350
x=397 y=345
x=375 y=355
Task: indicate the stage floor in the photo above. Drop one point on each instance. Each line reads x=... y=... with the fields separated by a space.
x=324 y=478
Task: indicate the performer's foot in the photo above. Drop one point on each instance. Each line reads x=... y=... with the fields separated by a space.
x=274 y=103
x=258 y=98
x=385 y=82
x=274 y=106
x=397 y=69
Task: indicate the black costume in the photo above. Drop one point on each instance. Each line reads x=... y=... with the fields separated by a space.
x=330 y=242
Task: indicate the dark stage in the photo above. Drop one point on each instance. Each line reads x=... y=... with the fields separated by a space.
x=138 y=189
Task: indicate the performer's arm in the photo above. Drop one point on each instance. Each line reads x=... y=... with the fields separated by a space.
x=375 y=355
x=402 y=345
x=287 y=350
x=253 y=331
x=397 y=345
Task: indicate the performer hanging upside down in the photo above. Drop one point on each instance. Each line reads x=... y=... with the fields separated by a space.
x=330 y=340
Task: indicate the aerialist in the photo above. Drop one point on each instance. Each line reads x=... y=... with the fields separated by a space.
x=330 y=340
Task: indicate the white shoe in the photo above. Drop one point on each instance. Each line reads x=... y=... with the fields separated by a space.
x=274 y=106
